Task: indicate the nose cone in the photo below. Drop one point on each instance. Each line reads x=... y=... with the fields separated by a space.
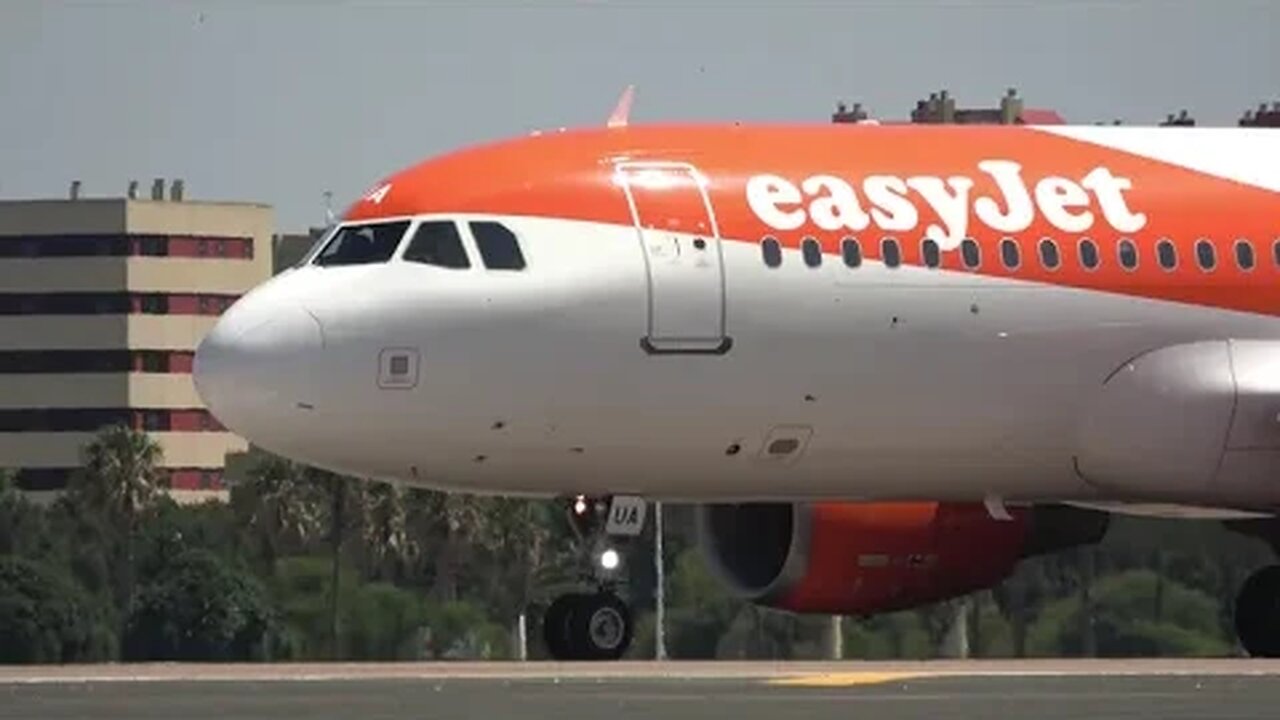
x=250 y=369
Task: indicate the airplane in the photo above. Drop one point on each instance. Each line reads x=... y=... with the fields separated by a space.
x=886 y=361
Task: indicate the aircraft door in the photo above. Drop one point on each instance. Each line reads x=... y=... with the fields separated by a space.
x=681 y=244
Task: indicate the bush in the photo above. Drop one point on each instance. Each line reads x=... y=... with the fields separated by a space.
x=44 y=617
x=384 y=622
x=199 y=608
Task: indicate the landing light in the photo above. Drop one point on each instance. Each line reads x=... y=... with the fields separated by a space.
x=609 y=559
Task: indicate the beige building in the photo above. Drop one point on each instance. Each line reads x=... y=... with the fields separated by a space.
x=102 y=304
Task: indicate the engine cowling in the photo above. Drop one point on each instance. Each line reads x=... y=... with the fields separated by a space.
x=866 y=558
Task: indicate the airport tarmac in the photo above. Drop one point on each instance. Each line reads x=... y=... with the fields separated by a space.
x=1093 y=689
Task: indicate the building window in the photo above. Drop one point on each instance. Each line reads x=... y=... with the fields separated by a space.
x=851 y=250
x=812 y=252
x=1205 y=255
x=1049 y=254
x=971 y=253
x=1089 y=257
x=155 y=246
x=1010 y=254
x=1167 y=254
x=890 y=253
x=1244 y=254
x=1128 y=254
x=155 y=304
x=930 y=252
x=771 y=251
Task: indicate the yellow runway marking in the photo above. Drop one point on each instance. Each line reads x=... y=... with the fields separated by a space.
x=844 y=679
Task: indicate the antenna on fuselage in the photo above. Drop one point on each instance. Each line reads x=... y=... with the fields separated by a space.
x=622 y=111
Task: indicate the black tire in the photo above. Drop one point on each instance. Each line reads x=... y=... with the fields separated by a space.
x=1257 y=613
x=600 y=627
x=555 y=626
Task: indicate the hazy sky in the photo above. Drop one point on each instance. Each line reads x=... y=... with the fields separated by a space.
x=278 y=102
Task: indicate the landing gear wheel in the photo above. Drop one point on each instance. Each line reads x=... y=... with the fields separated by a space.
x=1257 y=613
x=555 y=626
x=600 y=627
x=579 y=626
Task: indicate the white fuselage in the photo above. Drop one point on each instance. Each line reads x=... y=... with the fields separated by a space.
x=866 y=383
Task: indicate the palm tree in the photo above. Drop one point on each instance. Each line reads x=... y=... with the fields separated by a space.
x=120 y=477
x=120 y=473
x=384 y=526
x=279 y=502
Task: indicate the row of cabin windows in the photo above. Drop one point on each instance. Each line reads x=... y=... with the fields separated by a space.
x=1011 y=253
x=434 y=242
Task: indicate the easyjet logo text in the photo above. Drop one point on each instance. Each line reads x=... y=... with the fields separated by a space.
x=894 y=204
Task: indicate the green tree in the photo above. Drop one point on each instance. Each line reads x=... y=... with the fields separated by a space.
x=387 y=548
x=120 y=474
x=42 y=616
x=385 y=623
x=23 y=525
x=199 y=608
x=279 y=505
x=119 y=480
x=1123 y=624
x=701 y=609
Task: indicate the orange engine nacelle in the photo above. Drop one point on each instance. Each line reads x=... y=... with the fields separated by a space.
x=865 y=558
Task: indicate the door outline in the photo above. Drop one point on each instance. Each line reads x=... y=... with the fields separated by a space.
x=715 y=345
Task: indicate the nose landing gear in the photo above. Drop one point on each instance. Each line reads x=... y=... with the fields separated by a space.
x=1257 y=613
x=595 y=625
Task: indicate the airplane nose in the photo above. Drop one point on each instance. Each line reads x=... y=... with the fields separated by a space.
x=247 y=368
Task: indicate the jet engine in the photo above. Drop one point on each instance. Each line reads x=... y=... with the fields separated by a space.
x=865 y=558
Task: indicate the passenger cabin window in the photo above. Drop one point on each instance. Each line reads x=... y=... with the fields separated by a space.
x=1010 y=254
x=1205 y=255
x=1049 y=256
x=971 y=253
x=812 y=252
x=436 y=242
x=1089 y=254
x=851 y=251
x=1127 y=253
x=771 y=251
x=1167 y=254
x=499 y=248
x=1275 y=252
x=362 y=244
x=1244 y=254
x=890 y=253
x=930 y=252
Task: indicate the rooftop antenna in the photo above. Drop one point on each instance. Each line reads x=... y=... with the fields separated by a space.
x=622 y=111
x=329 y=217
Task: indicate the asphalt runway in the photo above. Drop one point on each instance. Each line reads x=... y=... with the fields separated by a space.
x=1200 y=689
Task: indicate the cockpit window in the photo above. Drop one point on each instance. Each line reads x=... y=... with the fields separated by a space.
x=498 y=246
x=363 y=244
x=436 y=242
x=315 y=247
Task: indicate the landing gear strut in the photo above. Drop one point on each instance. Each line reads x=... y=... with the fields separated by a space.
x=594 y=625
x=1257 y=613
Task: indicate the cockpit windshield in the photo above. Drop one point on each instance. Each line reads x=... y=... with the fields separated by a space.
x=363 y=244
